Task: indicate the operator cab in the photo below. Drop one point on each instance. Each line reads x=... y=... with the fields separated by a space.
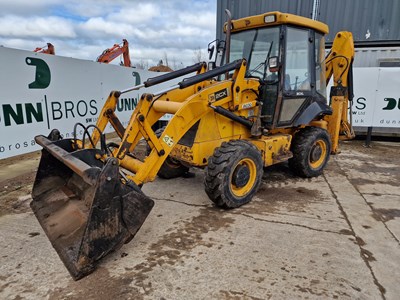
x=286 y=53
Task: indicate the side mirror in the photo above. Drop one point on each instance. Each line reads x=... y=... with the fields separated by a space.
x=273 y=64
x=216 y=50
x=212 y=55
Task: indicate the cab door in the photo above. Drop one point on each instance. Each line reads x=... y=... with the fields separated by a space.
x=298 y=84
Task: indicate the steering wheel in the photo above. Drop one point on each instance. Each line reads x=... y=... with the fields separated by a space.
x=257 y=72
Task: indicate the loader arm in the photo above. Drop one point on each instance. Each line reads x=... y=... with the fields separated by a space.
x=188 y=103
x=339 y=66
x=107 y=114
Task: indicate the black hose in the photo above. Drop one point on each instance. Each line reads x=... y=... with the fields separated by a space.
x=178 y=73
x=103 y=146
x=74 y=133
x=210 y=74
x=86 y=132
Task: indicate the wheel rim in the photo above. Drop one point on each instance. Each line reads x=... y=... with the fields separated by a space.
x=318 y=154
x=243 y=177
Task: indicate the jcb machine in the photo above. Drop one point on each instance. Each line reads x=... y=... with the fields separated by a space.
x=266 y=105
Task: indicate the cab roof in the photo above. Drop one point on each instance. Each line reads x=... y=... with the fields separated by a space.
x=276 y=18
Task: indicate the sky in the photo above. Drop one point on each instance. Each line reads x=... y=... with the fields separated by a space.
x=172 y=30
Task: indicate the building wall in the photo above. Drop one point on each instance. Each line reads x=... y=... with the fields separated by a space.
x=368 y=20
x=377 y=57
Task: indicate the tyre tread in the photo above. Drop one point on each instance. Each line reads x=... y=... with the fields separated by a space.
x=218 y=167
x=301 y=144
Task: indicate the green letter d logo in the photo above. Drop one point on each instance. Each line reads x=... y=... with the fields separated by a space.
x=42 y=75
x=137 y=77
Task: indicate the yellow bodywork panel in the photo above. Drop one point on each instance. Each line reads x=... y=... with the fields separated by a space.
x=274 y=148
x=213 y=130
x=276 y=18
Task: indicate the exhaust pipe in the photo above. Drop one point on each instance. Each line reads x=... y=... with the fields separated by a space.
x=228 y=39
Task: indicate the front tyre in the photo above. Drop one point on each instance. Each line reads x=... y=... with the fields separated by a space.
x=311 y=148
x=233 y=174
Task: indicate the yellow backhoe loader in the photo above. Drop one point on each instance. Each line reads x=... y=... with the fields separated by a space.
x=266 y=105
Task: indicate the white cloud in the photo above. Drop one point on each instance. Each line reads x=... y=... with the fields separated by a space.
x=100 y=26
x=137 y=14
x=15 y=26
x=84 y=28
x=205 y=20
x=25 y=6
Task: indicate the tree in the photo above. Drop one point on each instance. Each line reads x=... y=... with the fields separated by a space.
x=142 y=65
x=176 y=65
x=198 y=55
x=166 y=59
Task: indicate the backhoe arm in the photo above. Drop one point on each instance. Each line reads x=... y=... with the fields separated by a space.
x=339 y=65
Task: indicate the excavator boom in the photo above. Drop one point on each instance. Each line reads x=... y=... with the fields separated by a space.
x=110 y=54
x=48 y=49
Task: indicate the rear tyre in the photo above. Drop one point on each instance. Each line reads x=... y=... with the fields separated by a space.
x=311 y=148
x=233 y=174
x=171 y=168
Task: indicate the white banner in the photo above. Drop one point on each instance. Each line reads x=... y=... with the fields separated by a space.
x=40 y=92
x=387 y=100
x=376 y=97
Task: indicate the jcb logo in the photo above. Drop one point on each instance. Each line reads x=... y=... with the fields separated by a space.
x=391 y=104
x=218 y=95
x=221 y=94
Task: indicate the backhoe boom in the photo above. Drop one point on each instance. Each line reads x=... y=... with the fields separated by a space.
x=339 y=63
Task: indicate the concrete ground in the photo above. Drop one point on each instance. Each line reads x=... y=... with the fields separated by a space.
x=332 y=237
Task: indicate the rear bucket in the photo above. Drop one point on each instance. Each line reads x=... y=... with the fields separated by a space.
x=82 y=205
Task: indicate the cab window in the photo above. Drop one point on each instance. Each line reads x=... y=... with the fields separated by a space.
x=255 y=46
x=297 y=71
x=320 y=64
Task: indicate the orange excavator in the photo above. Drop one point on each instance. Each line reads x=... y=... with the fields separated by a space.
x=49 y=49
x=110 y=54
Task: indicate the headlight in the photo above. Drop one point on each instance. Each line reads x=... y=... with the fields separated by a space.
x=270 y=19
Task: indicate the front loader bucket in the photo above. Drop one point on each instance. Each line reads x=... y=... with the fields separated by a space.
x=82 y=205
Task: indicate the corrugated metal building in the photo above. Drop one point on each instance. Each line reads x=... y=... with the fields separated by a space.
x=368 y=20
x=375 y=24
